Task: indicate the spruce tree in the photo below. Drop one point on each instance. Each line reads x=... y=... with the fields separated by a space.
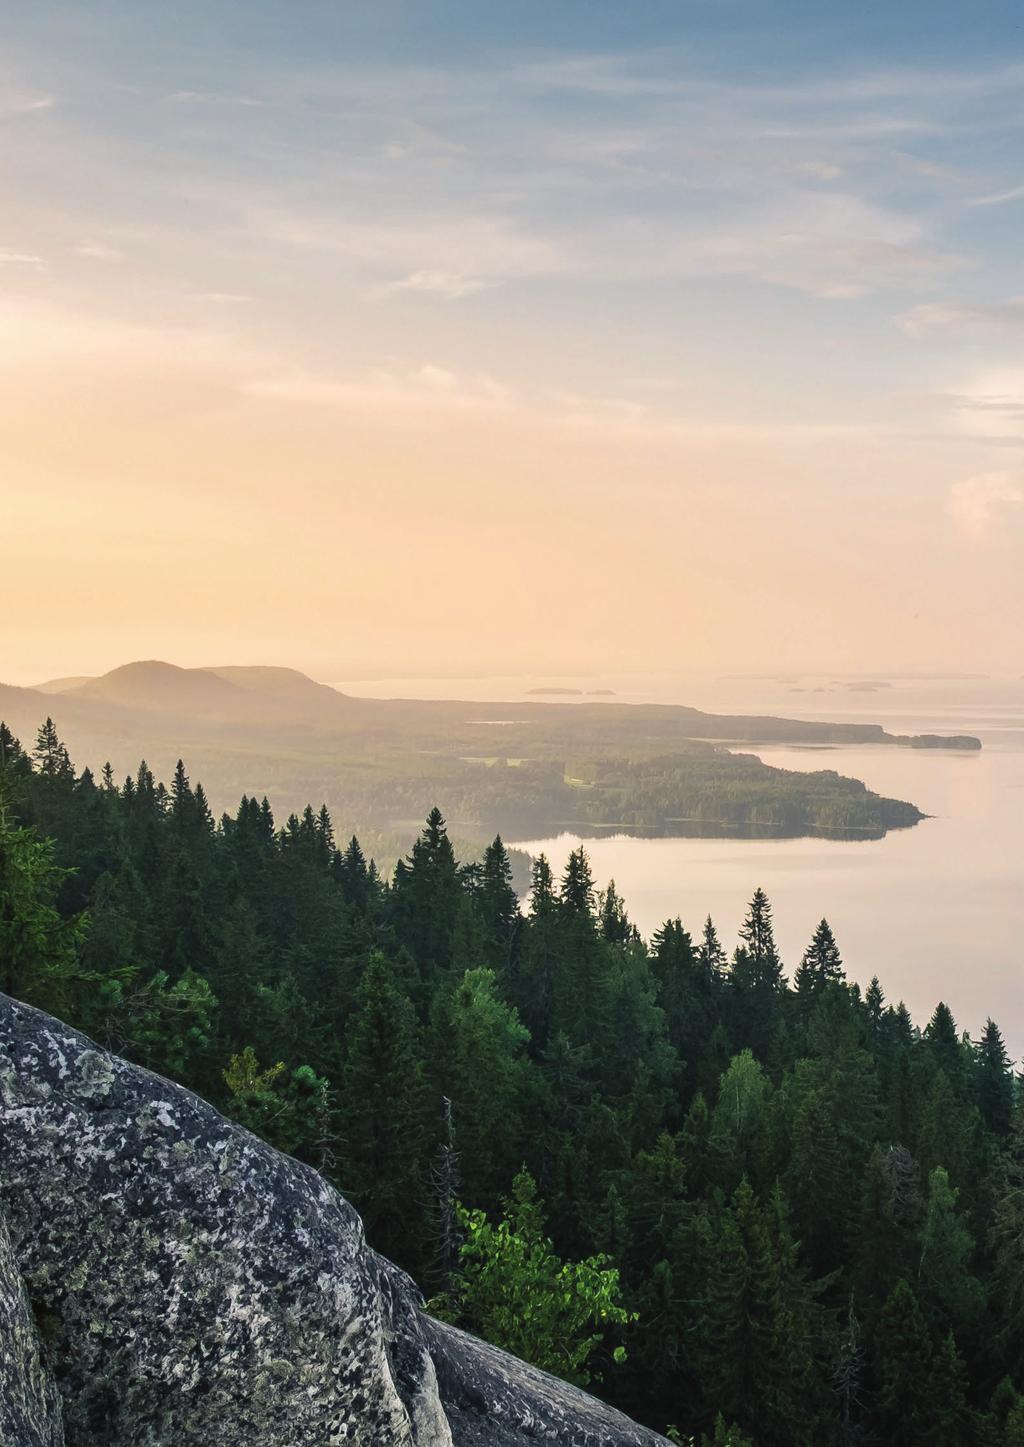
x=577 y=892
x=822 y=963
x=947 y=1286
x=710 y=954
x=994 y=1080
x=904 y=1369
x=384 y=1104
x=479 y=1063
x=758 y=936
x=499 y=907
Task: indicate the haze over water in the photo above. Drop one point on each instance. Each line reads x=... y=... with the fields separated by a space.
x=937 y=911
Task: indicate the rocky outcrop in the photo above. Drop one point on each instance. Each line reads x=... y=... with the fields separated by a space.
x=200 y=1290
x=29 y=1404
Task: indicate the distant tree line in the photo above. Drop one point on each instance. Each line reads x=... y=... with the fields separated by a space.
x=757 y=1209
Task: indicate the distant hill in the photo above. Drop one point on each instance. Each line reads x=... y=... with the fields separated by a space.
x=159 y=686
x=282 y=683
x=249 y=695
x=63 y=685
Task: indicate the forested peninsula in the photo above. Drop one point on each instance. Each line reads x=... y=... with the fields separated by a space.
x=525 y=769
x=744 y=1199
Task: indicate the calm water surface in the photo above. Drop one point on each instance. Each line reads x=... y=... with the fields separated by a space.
x=936 y=911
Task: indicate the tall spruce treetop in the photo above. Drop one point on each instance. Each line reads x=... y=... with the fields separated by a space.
x=498 y=899
x=542 y=887
x=428 y=895
x=874 y=1002
x=615 y=925
x=822 y=963
x=50 y=755
x=758 y=936
x=943 y=1040
x=577 y=893
x=353 y=874
x=181 y=793
x=710 y=954
x=994 y=1077
x=202 y=813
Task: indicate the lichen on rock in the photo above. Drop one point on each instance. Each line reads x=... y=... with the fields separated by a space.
x=202 y=1290
x=29 y=1402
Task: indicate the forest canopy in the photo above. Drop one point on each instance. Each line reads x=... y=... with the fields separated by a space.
x=743 y=1197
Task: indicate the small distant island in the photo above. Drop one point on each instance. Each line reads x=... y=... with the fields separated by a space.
x=938 y=741
x=555 y=692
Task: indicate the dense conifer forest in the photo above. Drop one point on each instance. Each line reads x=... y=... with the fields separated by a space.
x=746 y=1203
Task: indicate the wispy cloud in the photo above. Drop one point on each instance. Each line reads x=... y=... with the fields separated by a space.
x=984 y=319
x=428 y=386
x=998 y=198
x=977 y=504
x=99 y=251
x=447 y=284
x=22 y=258
x=418 y=243
x=22 y=105
x=992 y=406
x=220 y=98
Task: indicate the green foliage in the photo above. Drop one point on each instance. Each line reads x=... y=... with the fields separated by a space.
x=512 y=1289
x=288 y=1109
x=385 y=1102
x=38 y=948
x=809 y=1211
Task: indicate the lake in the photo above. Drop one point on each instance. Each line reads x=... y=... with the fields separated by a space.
x=936 y=911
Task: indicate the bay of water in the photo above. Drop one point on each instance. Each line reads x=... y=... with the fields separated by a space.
x=936 y=911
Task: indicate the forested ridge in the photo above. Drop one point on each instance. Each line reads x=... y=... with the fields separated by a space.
x=747 y=1206
x=524 y=769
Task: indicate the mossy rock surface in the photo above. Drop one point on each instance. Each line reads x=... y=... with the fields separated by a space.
x=191 y=1287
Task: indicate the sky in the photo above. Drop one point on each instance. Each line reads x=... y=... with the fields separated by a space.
x=447 y=337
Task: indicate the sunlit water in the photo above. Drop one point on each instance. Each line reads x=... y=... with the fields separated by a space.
x=937 y=911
